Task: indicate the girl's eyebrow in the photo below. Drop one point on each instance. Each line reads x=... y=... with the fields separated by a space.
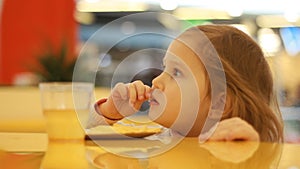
x=168 y=59
x=177 y=62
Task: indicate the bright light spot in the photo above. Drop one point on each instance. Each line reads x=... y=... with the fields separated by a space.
x=242 y=28
x=291 y=16
x=128 y=27
x=291 y=10
x=109 y=6
x=84 y=17
x=293 y=167
x=92 y=1
x=269 y=41
x=235 y=12
x=105 y=60
x=196 y=13
x=168 y=4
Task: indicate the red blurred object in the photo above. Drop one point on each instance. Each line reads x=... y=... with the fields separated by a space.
x=27 y=27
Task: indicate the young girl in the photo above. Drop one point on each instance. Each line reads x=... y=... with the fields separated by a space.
x=216 y=83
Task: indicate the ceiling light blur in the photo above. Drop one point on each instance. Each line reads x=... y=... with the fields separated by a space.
x=235 y=12
x=274 y=21
x=291 y=10
x=92 y=1
x=110 y=6
x=269 y=41
x=128 y=27
x=168 y=4
x=86 y=18
x=193 y=13
x=234 y=8
x=242 y=27
x=291 y=16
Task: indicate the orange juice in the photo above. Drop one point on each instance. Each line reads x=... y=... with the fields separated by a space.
x=65 y=124
x=65 y=155
x=62 y=104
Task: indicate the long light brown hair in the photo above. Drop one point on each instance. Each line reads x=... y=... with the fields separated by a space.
x=249 y=81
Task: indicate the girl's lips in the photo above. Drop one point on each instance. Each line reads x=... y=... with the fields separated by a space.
x=153 y=102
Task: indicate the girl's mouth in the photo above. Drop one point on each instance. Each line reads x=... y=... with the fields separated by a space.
x=153 y=101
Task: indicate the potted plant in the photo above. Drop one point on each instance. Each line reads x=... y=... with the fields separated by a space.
x=55 y=66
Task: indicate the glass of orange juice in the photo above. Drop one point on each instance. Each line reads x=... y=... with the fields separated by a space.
x=66 y=107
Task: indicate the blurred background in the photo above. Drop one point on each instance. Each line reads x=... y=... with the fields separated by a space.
x=34 y=32
x=41 y=40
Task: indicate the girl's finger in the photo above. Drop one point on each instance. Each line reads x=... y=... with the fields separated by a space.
x=121 y=90
x=148 y=91
x=140 y=89
x=132 y=93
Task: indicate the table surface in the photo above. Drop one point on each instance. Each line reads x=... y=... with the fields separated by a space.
x=33 y=150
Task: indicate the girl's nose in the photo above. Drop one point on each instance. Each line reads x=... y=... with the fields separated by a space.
x=159 y=81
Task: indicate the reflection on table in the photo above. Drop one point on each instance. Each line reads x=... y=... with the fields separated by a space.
x=33 y=151
x=190 y=154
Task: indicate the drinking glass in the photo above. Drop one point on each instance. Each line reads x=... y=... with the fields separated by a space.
x=66 y=107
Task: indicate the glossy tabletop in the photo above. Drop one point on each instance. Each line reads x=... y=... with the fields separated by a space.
x=34 y=151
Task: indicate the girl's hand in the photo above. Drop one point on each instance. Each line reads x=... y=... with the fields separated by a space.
x=234 y=129
x=126 y=99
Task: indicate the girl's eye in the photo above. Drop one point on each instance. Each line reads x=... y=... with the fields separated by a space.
x=176 y=72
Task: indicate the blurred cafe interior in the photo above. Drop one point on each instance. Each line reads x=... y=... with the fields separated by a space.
x=31 y=30
x=42 y=40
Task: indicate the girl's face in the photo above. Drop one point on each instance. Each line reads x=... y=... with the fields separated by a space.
x=178 y=92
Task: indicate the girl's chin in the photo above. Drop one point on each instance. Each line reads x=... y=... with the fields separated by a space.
x=154 y=115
